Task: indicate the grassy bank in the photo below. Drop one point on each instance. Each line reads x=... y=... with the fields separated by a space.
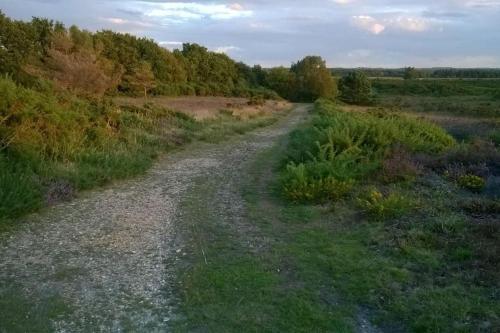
x=404 y=237
x=53 y=145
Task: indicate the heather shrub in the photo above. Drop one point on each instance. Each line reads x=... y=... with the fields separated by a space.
x=399 y=165
x=481 y=206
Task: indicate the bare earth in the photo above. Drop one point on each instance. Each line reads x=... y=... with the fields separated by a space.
x=110 y=253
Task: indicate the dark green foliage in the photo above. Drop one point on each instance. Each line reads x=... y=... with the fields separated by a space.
x=463 y=73
x=356 y=88
x=306 y=81
x=313 y=80
x=117 y=63
x=281 y=80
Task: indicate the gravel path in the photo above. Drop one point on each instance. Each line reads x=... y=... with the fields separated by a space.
x=108 y=256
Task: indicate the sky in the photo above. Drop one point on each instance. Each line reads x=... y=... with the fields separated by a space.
x=346 y=33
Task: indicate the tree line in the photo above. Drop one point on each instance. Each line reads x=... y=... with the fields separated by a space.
x=438 y=73
x=43 y=51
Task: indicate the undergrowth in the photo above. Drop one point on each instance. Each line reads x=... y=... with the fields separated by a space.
x=339 y=148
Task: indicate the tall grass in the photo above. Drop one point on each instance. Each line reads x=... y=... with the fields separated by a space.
x=347 y=146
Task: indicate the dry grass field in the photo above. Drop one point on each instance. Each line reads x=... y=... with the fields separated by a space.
x=202 y=108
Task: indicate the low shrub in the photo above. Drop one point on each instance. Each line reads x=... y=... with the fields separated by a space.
x=348 y=146
x=299 y=187
x=256 y=101
x=481 y=206
x=455 y=171
x=399 y=166
x=472 y=182
x=382 y=207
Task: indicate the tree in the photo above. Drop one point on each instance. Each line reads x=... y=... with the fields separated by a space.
x=313 y=79
x=260 y=75
x=142 y=78
x=281 y=80
x=16 y=45
x=411 y=73
x=356 y=88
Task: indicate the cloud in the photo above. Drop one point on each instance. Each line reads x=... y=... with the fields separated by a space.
x=368 y=23
x=189 y=11
x=396 y=22
x=401 y=32
x=343 y=2
x=226 y=49
x=414 y=24
x=481 y=3
x=128 y=23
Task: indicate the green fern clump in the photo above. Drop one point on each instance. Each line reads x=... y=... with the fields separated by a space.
x=299 y=187
x=348 y=146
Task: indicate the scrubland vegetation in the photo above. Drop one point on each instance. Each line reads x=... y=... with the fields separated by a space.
x=377 y=214
x=55 y=144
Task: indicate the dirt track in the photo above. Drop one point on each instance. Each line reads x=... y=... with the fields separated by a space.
x=108 y=255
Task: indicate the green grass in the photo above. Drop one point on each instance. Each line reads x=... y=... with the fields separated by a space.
x=22 y=313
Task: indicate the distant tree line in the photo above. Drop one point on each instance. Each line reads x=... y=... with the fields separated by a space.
x=464 y=73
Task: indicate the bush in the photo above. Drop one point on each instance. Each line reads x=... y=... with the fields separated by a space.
x=472 y=182
x=299 y=187
x=382 y=207
x=495 y=137
x=398 y=166
x=348 y=146
x=356 y=88
x=256 y=101
x=481 y=206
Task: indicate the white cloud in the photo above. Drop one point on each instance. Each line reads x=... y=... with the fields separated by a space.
x=481 y=3
x=122 y=22
x=407 y=23
x=368 y=23
x=186 y=11
x=343 y=2
x=226 y=49
x=415 y=24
